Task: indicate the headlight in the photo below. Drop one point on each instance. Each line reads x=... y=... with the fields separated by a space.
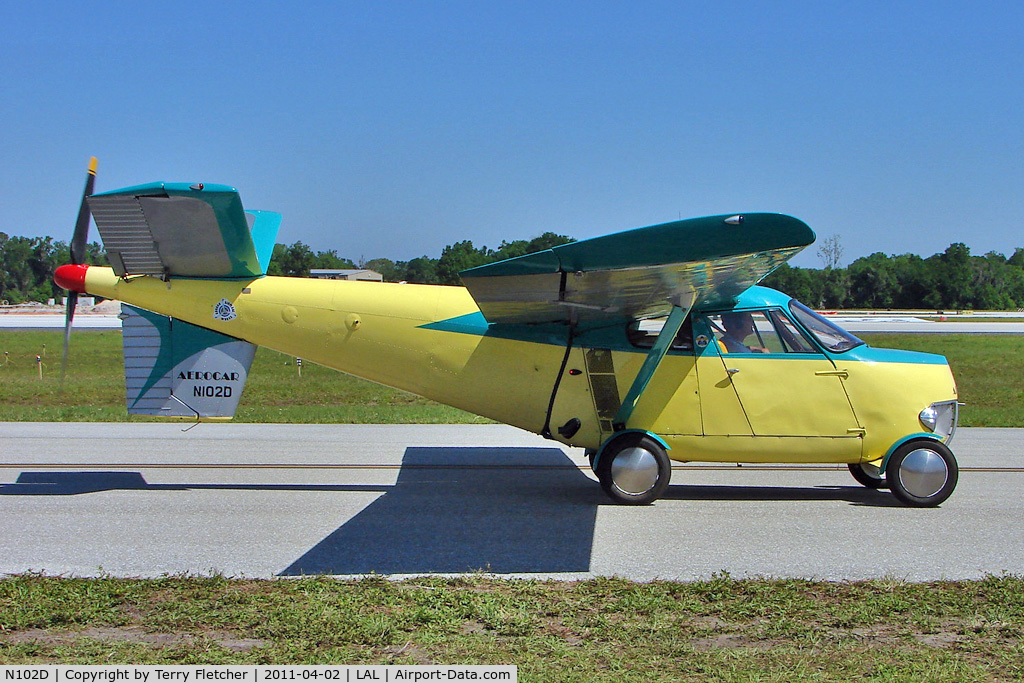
x=929 y=417
x=941 y=418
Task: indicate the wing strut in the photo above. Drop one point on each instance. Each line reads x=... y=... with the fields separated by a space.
x=546 y=432
x=654 y=357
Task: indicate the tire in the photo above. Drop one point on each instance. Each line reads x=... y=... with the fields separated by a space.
x=634 y=469
x=868 y=475
x=922 y=473
x=590 y=458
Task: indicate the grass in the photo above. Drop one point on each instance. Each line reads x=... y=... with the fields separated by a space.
x=719 y=629
x=988 y=369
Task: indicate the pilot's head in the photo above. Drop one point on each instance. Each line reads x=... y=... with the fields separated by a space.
x=738 y=325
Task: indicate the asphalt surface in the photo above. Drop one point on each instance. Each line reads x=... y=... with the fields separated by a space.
x=286 y=500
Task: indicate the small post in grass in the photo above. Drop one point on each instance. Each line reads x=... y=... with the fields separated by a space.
x=298 y=365
x=39 y=364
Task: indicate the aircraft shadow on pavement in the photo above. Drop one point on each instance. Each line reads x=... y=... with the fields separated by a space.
x=451 y=510
x=500 y=510
x=853 y=494
x=77 y=483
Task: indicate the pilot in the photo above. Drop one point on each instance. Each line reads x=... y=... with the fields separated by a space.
x=739 y=326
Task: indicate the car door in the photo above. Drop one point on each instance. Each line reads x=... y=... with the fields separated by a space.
x=787 y=387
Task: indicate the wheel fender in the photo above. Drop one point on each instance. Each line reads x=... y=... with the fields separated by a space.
x=616 y=435
x=911 y=437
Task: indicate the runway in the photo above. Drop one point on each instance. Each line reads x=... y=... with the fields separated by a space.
x=286 y=500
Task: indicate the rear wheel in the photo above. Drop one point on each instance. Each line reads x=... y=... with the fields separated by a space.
x=922 y=473
x=634 y=469
x=868 y=474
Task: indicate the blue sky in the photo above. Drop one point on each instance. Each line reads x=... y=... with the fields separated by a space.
x=393 y=129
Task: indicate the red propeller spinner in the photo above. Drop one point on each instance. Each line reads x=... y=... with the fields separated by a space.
x=71 y=277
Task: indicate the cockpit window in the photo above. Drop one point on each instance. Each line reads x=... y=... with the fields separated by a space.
x=744 y=332
x=769 y=331
x=643 y=333
x=830 y=335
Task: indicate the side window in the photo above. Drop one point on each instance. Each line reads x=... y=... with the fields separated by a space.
x=757 y=332
x=643 y=333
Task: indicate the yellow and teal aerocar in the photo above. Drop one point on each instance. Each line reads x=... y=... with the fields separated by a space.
x=641 y=346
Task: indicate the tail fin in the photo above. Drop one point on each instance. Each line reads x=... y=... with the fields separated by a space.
x=175 y=369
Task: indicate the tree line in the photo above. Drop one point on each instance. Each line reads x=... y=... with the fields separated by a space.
x=27 y=264
x=298 y=259
x=952 y=280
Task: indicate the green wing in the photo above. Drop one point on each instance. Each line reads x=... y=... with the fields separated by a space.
x=639 y=273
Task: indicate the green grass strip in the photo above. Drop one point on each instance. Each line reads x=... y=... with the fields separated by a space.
x=720 y=629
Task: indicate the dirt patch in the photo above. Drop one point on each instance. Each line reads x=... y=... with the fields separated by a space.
x=410 y=650
x=875 y=634
x=731 y=641
x=132 y=634
x=555 y=627
x=471 y=627
x=709 y=622
x=941 y=639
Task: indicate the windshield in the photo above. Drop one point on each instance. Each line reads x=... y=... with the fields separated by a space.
x=830 y=335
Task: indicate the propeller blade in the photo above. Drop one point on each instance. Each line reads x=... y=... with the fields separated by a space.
x=81 y=236
x=79 y=241
x=68 y=317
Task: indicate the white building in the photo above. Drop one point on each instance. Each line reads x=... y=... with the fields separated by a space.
x=358 y=274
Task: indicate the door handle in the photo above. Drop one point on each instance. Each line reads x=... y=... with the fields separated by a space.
x=732 y=371
x=843 y=374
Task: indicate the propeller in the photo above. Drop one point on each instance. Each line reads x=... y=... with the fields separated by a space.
x=79 y=242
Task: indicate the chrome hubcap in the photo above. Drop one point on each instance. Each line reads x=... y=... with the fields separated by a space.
x=634 y=471
x=923 y=473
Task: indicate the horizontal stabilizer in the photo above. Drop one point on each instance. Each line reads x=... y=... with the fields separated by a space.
x=173 y=229
x=175 y=369
x=639 y=273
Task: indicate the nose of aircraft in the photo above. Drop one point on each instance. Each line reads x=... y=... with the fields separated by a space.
x=71 y=277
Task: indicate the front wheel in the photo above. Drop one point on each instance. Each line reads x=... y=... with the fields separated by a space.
x=634 y=469
x=922 y=473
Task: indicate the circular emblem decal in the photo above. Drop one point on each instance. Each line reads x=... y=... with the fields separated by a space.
x=702 y=340
x=224 y=310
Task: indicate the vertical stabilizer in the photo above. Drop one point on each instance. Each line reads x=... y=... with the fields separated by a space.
x=175 y=369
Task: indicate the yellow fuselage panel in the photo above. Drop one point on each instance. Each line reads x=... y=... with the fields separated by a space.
x=721 y=411
x=889 y=397
x=671 y=402
x=799 y=395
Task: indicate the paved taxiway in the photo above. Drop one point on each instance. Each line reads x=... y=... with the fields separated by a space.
x=284 y=500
